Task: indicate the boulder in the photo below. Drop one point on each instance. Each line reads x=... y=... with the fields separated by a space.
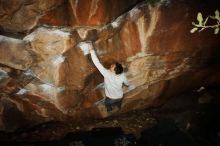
x=161 y=57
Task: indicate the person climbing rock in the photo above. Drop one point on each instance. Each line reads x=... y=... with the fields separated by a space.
x=114 y=79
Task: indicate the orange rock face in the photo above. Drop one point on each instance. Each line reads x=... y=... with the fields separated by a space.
x=46 y=72
x=87 y=13
x=23 y=16
x=97 y=12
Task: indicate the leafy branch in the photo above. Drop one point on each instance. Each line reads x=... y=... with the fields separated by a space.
x=202 y=23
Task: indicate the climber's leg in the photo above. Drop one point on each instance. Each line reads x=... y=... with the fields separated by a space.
x=118 y=103
x=108 y=104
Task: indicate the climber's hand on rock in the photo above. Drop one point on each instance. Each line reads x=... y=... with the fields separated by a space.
x=85 y=47
x=90 y=46
x=90 y=49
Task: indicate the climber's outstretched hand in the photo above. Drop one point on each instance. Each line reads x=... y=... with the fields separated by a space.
x=91 y=48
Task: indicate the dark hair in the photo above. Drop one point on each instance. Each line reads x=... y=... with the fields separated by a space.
x=118 y=68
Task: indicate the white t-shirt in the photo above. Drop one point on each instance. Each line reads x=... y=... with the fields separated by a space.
x=113 y=83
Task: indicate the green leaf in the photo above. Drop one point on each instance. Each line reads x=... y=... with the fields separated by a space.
x=216 y=31
x=199 y=18
x=193 y=30
x=212 y=17
x=217 y=15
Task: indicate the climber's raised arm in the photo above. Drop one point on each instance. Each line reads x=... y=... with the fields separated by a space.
x=97 y=63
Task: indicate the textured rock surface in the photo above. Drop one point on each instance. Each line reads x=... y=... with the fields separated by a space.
x=97 y=12
x=22 y=15
x=45 y=76
x=15 y=53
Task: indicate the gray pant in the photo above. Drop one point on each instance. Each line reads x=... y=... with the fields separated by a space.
x=112 y=102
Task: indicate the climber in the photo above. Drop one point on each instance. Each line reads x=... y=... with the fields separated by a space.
x=114 y=79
